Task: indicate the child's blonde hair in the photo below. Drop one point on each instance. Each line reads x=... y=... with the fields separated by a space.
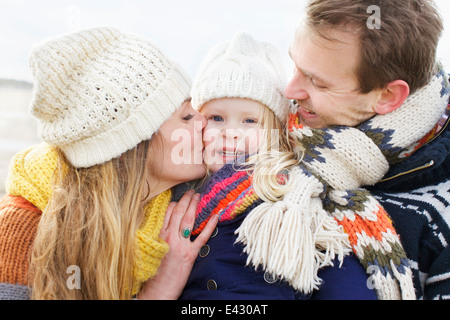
x=270 y=166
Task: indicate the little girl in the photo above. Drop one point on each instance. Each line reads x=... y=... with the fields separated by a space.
x=239 y=90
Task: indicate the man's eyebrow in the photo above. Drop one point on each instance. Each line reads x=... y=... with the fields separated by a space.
x=309 y=74
x=315 y=77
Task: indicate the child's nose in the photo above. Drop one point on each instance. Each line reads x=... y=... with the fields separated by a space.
x=231 y=134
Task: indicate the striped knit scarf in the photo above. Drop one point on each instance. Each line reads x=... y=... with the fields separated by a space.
x=228 y=193
x=295 y=237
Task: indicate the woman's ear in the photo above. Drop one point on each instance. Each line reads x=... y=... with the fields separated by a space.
x=392 y=97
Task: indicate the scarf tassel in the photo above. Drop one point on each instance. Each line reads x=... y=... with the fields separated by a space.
x=292 y=239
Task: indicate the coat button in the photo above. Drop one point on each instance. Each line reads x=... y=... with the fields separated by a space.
x=211 y=285
x=204 y=251
x=270 y=278
x=216 y=230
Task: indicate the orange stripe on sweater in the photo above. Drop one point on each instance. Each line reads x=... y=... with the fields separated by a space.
x=294 y=122
x=371 y=228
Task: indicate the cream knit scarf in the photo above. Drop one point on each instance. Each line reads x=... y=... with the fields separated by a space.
x=30 y=177
x=328 y=213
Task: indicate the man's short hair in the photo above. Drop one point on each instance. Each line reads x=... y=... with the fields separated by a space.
x=403 y=45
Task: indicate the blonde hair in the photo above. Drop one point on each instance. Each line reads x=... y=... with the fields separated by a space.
x=270 y=166
x=91 y=222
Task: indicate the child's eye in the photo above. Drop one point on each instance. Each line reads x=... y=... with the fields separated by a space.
x=216 y=118
x=250 y=121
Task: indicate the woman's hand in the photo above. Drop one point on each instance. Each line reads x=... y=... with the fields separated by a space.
x=177 y=264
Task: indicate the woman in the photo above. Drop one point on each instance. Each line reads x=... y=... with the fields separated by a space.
x=84 y=211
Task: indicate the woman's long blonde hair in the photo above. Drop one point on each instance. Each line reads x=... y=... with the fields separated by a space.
x=89 y=225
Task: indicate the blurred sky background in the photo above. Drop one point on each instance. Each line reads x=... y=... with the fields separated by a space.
x=183 y=29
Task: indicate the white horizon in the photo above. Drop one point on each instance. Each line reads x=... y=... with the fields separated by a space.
x=185 y=30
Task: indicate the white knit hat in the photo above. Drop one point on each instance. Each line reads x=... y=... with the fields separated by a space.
x=242 y=68
x=100 y=92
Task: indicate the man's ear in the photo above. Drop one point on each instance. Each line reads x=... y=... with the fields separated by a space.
x=392 y=97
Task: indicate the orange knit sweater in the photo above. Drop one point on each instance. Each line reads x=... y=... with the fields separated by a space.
x=19 y=219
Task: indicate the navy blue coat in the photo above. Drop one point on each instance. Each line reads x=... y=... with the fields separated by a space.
x=220 y=273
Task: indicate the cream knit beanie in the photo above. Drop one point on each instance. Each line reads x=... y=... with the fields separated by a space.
x=242 y=68
x=100 y=92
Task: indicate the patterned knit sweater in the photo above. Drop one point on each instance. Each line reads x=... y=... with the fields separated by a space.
x=416 y=193
x=29 y=190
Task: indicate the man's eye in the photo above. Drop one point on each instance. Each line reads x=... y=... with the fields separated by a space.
x=317 y=85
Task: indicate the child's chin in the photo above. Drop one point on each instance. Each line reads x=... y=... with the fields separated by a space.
x=214 y=167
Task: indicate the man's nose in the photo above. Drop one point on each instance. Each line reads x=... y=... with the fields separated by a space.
x=296 y=88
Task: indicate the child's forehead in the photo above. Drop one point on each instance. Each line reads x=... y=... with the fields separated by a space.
x=232 y=105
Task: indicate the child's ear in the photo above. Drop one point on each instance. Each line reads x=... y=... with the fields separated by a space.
x=392 y=97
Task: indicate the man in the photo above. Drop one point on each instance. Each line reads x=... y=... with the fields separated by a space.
x=348 y=70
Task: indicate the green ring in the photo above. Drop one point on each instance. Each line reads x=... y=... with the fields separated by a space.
x=186 y=232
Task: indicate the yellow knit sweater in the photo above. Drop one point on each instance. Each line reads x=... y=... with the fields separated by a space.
x=30 y=177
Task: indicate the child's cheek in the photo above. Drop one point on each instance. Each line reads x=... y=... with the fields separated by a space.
x=210 y=136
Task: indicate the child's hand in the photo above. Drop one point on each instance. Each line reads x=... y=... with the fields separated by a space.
x=177 y=264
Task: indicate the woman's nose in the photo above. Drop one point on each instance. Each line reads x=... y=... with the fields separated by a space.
x=201 y=118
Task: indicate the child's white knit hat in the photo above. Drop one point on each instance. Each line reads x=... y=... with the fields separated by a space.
x=100 y=92
x=242 y=68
